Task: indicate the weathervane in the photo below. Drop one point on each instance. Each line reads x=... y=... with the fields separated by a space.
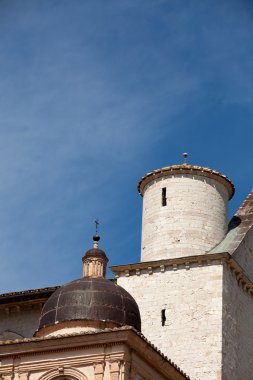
x=185 y=155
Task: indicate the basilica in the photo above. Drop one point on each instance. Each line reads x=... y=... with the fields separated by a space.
x=184 y=311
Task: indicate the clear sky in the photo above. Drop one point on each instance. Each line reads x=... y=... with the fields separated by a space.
x=94 y=94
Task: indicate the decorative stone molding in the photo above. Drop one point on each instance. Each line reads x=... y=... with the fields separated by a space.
x=162 y=268
x=62 y=371
x=117 y=360
x=184 y=263
x=243 y=281
x=125 y=370
x=94 y=267
x=99 y=368
x=170 y=171
x=23 y=376
x=8 y=376
x=114 y=369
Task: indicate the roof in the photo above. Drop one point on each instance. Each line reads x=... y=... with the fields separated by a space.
x=238 y=227
x=30 y=295
x=27 y=295
x=187 y=169
x=91 y=299
x=95 y=252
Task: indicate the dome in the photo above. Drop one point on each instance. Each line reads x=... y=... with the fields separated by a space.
x=95 y=252
x=91 y=299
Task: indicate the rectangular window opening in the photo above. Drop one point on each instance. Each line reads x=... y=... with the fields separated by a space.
x=163 y=317
x=164 y=199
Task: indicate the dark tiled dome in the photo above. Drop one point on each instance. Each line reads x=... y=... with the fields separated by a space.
x=91 y=299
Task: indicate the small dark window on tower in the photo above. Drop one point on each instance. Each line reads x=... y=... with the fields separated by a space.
x=163 y=317
x=164 y=199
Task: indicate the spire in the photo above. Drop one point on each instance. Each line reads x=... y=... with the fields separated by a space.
x=95 y=260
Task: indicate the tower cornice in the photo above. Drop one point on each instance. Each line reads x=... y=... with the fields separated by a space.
x=186 y=263
x=186 y=169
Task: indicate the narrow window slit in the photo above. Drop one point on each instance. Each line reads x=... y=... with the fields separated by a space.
x=164 y=199
x=163 y=316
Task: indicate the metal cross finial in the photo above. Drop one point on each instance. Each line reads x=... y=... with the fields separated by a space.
x=185 y=155
x=97 y=224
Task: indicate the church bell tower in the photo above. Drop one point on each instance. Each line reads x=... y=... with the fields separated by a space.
x=185 y=211
x=195 y=270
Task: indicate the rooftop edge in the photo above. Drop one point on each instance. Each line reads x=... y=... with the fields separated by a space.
x=186 y=169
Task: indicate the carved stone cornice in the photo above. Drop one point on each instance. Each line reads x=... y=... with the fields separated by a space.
x=124 y=340
x=186 y=263
x=169 y=171
x=149 y=267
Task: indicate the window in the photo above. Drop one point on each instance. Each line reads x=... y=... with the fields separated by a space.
x=163 y=317
x=164 y=199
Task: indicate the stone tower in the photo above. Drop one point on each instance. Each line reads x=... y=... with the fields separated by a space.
x=194 y=284
x=185 y=211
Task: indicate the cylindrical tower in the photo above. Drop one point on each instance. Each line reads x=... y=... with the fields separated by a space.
x=185 y=211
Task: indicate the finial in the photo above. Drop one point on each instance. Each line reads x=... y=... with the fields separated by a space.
x=185 y=155
x=96 y=237
x=97 y=224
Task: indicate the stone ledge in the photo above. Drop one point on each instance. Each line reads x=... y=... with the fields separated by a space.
x=186 y=169
x=186 y=263
x=169 y=264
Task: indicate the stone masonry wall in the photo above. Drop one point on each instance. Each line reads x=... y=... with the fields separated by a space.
x=237 y=346
x=192 y=300
x=193 y=221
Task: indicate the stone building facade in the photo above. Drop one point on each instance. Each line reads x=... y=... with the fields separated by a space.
x=196 y=304
x=193 y=287
x=112 y=354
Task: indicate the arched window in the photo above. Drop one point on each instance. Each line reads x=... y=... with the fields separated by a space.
x=64 y=374
x=63 y=377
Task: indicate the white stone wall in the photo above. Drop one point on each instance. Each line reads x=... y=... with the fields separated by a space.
x=237 y=347
x=192 y=335
x=244 y=254
x=193 y=221
x=23 y=321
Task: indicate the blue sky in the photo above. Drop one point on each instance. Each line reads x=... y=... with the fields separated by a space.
x=94 y=94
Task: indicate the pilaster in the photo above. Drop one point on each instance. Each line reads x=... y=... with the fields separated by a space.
x=99 y=368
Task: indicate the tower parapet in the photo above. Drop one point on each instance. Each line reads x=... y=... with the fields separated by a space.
x=185 y=211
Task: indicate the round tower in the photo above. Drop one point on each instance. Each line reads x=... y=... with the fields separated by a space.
x=185 y=211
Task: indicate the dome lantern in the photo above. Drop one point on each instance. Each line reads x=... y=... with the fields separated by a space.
x=95 y=260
